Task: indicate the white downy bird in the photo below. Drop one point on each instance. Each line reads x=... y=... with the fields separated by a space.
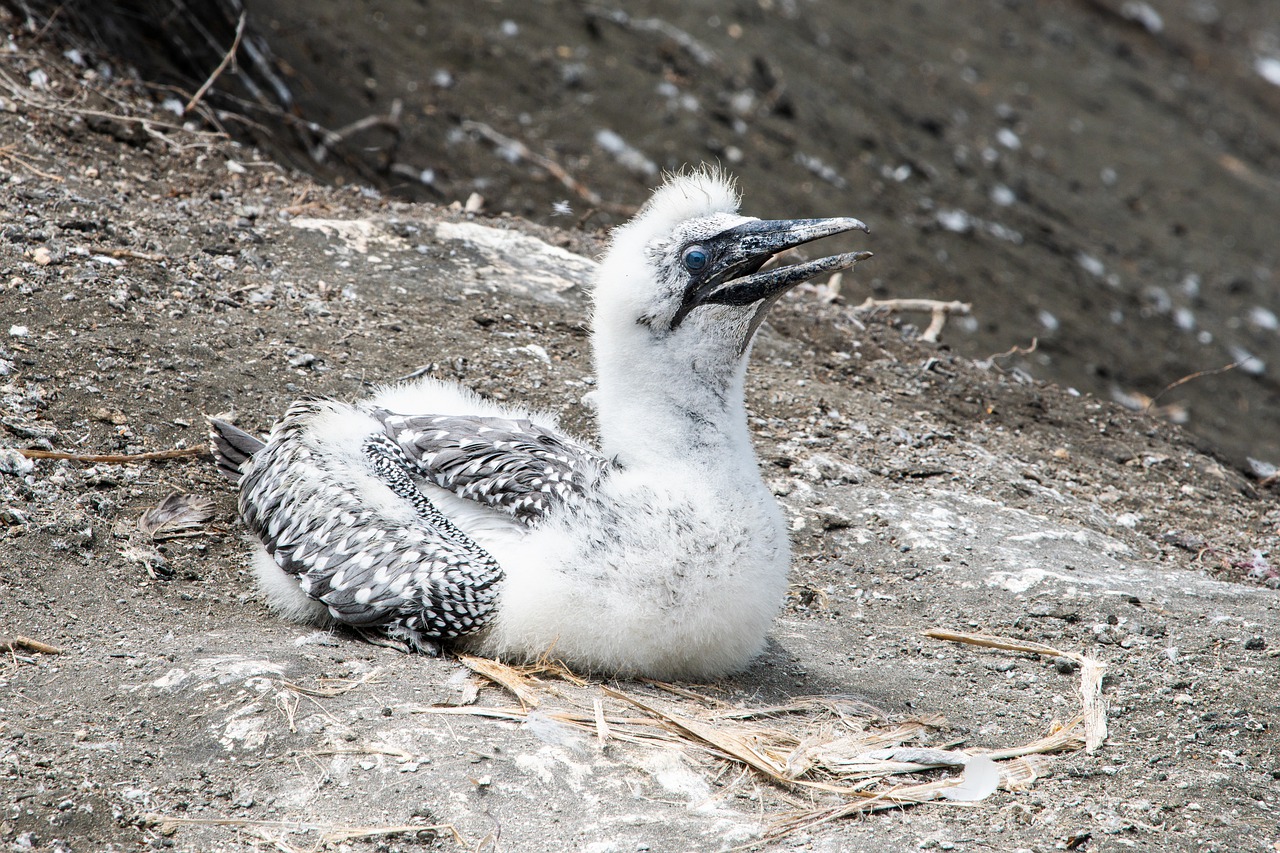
x=434 y=516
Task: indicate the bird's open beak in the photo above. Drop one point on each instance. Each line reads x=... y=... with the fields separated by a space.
x=739 y=252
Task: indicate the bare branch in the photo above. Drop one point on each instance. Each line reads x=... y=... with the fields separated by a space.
x=938 y=309
x=222 y=66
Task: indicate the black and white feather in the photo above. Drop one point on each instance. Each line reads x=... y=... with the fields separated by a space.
x=434 y=516
x=506 y=463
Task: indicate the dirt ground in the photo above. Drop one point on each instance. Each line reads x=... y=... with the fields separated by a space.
x=152 y=275
x=1097 y=175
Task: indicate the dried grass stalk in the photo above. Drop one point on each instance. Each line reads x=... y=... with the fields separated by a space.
x=1091 y=672
x=509 y=677
x=732 y=743
x=334 y=686
x=329 y=833
x=833 y=745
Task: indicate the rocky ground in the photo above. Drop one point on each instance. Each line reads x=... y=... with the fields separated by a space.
x=153 y=275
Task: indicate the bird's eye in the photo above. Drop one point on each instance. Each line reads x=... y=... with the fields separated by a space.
x=696 y=259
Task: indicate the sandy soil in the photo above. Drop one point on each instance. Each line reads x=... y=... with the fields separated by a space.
x=154 y=275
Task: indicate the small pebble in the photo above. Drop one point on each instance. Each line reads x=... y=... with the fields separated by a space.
x=13 y=462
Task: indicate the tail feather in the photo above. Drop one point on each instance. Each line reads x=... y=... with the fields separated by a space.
x=232 y=448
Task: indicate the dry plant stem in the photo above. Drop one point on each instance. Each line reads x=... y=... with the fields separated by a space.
x=341 y=834
x=713 y=737
x=339 y=690
x=939 y=311
x=1064 y=739
x=548 y=165
x=8 y=153
x=799 y=762
x=18 y=641
x=680 y=691
x=222 y=66
x=602 y=725
x=114 y=458
x=1016 y=350
x=903 y=795
x=371 y=749
x=1091 y=672
x=28 y=99
x=330 y=834
x=504 y=675
x=330 y=139
x=131 y=253
x=699 y=52
x=1184 y=380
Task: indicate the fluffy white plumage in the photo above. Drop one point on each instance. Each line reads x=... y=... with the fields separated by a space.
x=666 y=555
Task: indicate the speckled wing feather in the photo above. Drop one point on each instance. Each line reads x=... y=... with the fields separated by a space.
x=506 y=463
x=401 y=566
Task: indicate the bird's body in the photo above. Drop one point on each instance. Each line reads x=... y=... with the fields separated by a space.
x=433 y=515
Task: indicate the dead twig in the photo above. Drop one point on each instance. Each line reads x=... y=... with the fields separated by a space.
x=7 y=152
x=371 y=749
x=330 y=139
x=153 y=126
x=699 y=52
x=10 y=644
x=990 y=361
x=518 y=149
x=938 y=310
x=602 y=725
x=131 y=253
x=1188 y=378
x=818 y=745
x=222 y=66
x=1091 y=672
x=750 y=747
x=681 y=692
x=339 y=687
x=329 y=833
x=114 y=458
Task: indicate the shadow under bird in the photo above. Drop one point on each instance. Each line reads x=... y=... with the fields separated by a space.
x=433 y=516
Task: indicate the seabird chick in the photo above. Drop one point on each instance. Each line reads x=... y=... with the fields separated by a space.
x=434 y=516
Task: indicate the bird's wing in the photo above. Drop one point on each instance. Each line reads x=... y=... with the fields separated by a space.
x=506 y=463
x=328 y=519
x=231 y=448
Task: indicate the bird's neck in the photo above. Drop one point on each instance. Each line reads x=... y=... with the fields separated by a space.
x=680 y=416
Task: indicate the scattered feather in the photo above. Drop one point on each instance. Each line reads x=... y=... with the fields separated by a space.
x=149 y=558
x=551 y=731
x=176 y=515
x=981 y=779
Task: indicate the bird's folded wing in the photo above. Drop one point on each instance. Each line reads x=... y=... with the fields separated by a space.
x=506 y=463
x=325 y=522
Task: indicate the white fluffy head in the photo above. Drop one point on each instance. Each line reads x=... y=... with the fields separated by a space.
x=688 y=195
x=678 y=298
x=641 y=281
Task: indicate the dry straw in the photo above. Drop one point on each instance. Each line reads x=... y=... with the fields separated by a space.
x=826 y=757
x=830 y=756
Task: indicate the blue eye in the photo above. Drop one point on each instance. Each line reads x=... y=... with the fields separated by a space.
x=695 y=259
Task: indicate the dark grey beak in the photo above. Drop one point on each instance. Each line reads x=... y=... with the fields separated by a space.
x=732 y=277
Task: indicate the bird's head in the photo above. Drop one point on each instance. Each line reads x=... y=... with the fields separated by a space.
x=685 y=277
